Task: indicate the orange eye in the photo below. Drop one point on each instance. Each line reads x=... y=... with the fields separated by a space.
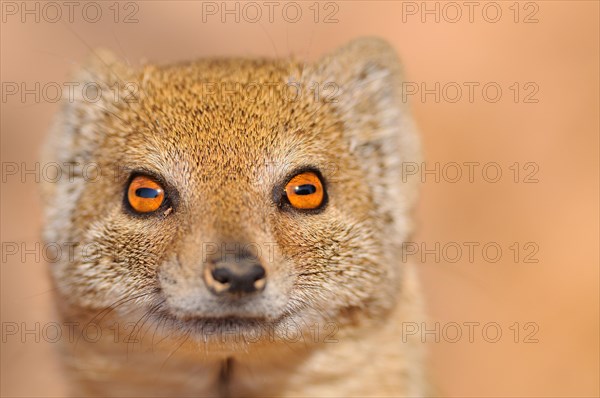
x=144 y=194
x=305 y=191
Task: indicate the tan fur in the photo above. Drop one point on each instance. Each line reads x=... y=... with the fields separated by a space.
x=336 y=276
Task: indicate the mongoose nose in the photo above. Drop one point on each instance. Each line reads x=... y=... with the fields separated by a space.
x=235 y=277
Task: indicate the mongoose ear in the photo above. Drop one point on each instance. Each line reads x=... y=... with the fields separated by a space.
x=103 y=82
x=367 y=75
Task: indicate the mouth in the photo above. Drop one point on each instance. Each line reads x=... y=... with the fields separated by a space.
x=223 y=330
x=232 y=326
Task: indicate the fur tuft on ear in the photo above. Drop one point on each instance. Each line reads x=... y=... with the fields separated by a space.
x=103 y=66
x=377 y=123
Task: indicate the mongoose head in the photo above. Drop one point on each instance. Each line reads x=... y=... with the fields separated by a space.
x=234 y=192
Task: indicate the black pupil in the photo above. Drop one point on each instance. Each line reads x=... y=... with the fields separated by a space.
x=306 y=189
x=147 y=193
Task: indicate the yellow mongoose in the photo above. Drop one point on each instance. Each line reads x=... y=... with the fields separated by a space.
x=242 y=229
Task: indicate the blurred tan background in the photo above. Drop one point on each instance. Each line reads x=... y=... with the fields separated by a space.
x=550 y=49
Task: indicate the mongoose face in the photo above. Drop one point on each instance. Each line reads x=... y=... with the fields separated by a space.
x=235 y=192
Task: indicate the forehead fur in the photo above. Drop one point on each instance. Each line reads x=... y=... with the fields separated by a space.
x=215 y=120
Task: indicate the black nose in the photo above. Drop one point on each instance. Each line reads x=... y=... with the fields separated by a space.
x=235 y=276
